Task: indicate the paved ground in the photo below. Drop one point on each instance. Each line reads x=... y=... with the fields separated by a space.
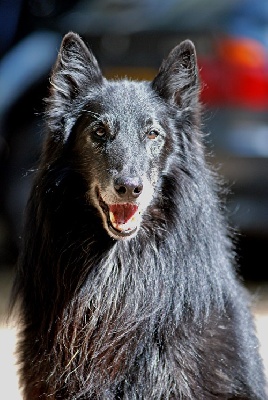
x=8 y=378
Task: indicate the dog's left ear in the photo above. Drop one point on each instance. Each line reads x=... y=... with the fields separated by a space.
x=178 y=78
x=75 y=67
x=75 y=73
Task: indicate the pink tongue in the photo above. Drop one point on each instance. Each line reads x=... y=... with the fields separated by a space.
x=123 y=212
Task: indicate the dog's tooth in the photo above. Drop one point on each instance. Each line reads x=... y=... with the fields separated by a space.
x=112 y=218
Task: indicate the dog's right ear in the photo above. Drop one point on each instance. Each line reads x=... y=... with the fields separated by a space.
x=75 y=72
x=178 y=78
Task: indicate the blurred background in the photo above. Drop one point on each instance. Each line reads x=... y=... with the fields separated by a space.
x=131 y=37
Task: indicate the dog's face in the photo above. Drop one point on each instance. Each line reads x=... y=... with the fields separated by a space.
x=120 y=131
x=119 y=143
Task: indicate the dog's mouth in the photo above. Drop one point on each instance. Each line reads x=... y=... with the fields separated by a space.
x=122 y=219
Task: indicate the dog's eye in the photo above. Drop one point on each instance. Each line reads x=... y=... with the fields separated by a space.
x=100 y=132
x=152 y=134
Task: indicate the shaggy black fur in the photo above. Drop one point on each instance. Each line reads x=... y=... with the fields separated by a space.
x=151 y=311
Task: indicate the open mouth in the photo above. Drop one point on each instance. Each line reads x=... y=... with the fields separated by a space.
x=122 y=218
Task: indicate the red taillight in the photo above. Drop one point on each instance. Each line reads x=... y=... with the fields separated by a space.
x=236 y=76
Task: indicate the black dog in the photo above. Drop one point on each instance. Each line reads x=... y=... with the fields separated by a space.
x=125 y=278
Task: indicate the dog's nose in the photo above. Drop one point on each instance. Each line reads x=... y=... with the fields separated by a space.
x=128 y=187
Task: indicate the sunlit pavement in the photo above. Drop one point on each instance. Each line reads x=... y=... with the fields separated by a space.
x=8 y=378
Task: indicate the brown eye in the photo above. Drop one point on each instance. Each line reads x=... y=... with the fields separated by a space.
x=152 y=134
x=100 y=132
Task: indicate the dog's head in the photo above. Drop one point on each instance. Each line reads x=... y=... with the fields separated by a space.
x=119 y=132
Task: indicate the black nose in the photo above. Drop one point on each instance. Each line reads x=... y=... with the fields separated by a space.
x=128 y=187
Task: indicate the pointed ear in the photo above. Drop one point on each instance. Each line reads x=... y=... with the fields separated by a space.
x=178 y=78
x=75 y=72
